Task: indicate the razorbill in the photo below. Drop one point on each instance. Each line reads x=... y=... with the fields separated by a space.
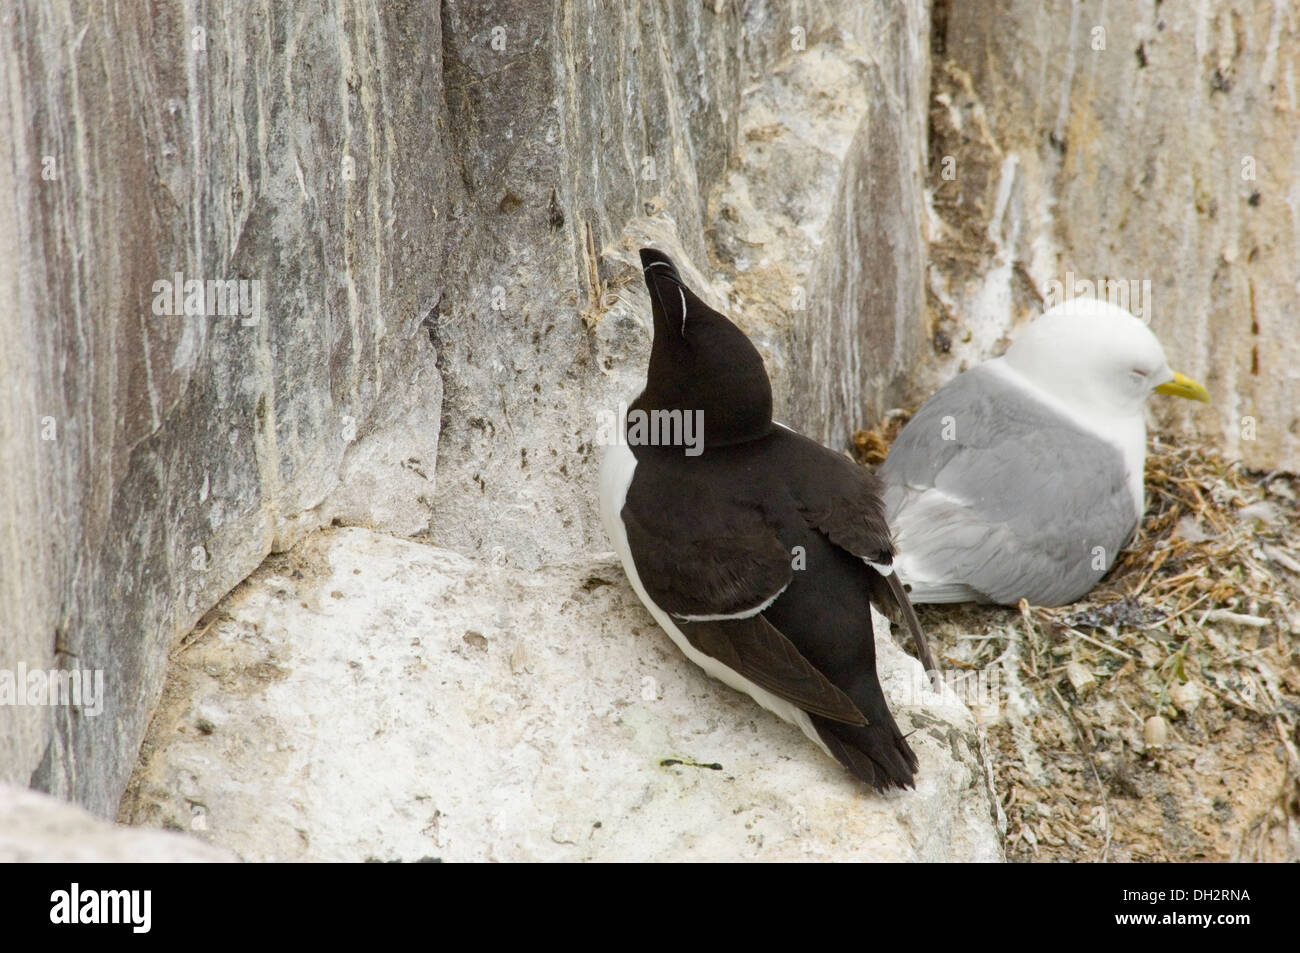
x=1022 y=477
x=757 y=550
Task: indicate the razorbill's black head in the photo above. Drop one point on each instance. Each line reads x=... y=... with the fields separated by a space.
x=700 y=362
x=761 y=555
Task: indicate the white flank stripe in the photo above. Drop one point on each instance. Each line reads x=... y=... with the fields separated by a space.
x=747 y=614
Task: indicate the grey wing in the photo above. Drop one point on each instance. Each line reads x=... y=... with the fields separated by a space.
x=994 y=498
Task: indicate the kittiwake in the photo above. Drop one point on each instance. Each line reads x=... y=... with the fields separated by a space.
x=1022 y=477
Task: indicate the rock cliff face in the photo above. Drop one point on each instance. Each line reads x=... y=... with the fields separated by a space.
x=153 y=459
x=432 y=212
x=775 y=145
x=1146 y=143
x=435 y=210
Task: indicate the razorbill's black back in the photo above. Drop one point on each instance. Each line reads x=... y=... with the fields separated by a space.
x=758 y=550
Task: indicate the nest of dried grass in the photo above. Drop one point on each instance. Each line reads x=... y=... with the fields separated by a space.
x=1157 y=718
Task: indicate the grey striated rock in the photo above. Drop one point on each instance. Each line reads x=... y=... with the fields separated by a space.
x=152 y=461
x=612 y=125
x=1139 y=142
x=364 y=697
x=818 y=224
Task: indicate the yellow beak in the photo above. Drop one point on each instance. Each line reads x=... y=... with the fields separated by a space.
x=1182 y=386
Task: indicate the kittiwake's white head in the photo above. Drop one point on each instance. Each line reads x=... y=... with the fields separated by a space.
x=1097 y=358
